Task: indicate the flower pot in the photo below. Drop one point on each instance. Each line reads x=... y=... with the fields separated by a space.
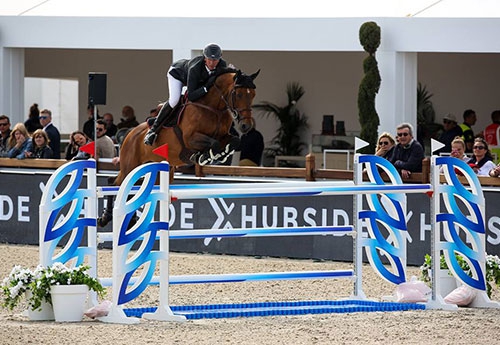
x=69 y=302
x=46 y=312
x=447 y=282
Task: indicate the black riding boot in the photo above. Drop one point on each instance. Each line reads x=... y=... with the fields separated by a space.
x=162 y=117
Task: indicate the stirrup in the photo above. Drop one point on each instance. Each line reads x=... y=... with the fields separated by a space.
x=150 y=138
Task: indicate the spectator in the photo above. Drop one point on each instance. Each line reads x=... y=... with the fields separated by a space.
x=458 y=149
x=128 y=118
x=385 y=145
x=111 y=128
x=41 y=148
x=80 y=139
x=495 y=172
x=105 y=148
x=491 y=132
x=88 y=126
x=33 y=123
x=470 y=119
x=408 y=153
x=52 y=133
x=481 y=161
x=451 y=130
x=4 y=135
x=251 y=147
x=19 y=142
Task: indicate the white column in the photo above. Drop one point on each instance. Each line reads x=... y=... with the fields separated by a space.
x=12 y=84
x=397 y=98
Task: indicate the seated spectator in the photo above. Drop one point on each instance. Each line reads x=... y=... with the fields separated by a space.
x=80 y=139
x=385 y=145
x=41 y=148
x=52 y=133
x=72 y=149
x=481 y=161
x=458 y=149
x=19 y=142
x=105 y=148
x=4 y=135
x=128 y=118
x=33 y=122
x=491 y=132
x=408 y=153
x=495 y=172
x=451 y=130
x=251 y=148
x=111 y=128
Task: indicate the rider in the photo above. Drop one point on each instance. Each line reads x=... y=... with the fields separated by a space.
x=196 y=74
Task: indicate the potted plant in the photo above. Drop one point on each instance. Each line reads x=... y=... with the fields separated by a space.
x=57 y=284
x=287 y=141
x=17 y=287
x=492 y=269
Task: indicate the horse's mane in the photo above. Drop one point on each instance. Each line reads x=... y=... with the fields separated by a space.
x=241 y=79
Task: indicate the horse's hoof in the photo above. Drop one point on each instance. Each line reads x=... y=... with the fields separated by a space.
x=103 y=220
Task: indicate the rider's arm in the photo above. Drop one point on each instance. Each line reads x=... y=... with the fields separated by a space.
x=196 y=81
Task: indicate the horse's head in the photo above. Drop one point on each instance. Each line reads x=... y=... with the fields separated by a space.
x=241 y=100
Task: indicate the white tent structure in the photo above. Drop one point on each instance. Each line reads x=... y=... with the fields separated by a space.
x=449 y=45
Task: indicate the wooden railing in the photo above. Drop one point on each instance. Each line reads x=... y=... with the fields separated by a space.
x=309 y=173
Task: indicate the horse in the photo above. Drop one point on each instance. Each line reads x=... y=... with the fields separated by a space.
x=202 y=132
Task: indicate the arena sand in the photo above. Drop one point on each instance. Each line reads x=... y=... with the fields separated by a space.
x=465 y=326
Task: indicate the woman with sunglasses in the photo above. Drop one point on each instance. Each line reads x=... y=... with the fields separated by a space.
x=385 y=145
x=482 y=160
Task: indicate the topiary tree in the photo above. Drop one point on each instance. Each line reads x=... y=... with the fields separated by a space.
x=369 y=37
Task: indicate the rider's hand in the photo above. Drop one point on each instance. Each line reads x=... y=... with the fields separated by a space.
x=210 y=82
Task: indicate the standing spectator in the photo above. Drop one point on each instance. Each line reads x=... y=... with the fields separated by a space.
x=408 y=154
x=451 y=131
x=492 y=134
x=470 y=119
x=481 y=161
x=41 y=148
x=111 y=128
x=4 y=135
x=19 y=142
x=105 y=148
x=33 y=123
x=52 y=133
x=88 y=126
x=385 y=145
x=251 y=147
x=80 y=139
x=128 y=118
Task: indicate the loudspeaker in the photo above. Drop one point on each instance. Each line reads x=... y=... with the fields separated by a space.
x=97 y=88
x=327 y=125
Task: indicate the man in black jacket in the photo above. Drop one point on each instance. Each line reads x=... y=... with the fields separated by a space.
x=196 y=74
x=408 y=153
x=52 y=133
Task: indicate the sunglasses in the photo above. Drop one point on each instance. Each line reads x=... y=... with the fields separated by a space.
x=447 y=121
x=383 y=143
x=100 y=129
x=479 y=147
x=4 y=124
x=403 y=134
x=43 y=117
x=39 y=137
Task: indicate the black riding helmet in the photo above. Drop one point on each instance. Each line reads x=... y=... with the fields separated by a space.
x=212 y=51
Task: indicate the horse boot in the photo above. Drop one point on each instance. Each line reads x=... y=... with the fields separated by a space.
x=162 y=117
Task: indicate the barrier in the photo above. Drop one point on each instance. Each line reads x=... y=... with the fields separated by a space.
x=385 y=215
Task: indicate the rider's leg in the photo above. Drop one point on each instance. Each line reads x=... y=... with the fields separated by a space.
x=175 y=88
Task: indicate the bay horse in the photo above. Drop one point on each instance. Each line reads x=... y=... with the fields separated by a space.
x=202 y=132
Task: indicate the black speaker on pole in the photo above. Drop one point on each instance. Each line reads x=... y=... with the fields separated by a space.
x=97 y=88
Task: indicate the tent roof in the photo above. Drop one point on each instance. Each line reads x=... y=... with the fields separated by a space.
x=257 y=9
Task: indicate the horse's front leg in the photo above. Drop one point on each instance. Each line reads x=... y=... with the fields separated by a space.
x=220 y=151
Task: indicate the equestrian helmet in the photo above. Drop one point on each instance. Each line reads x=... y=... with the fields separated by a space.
x=212 y=51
